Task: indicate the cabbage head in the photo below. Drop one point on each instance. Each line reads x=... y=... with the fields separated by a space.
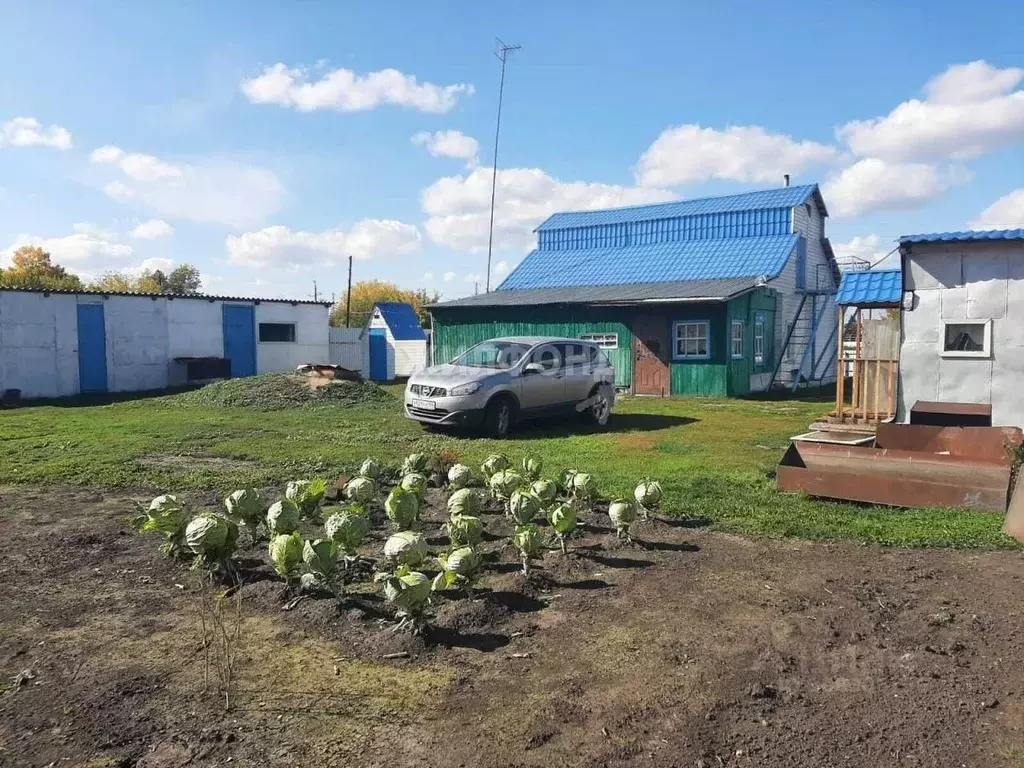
x=321 y=557
x=493 y=463
x=245 y=506
x=212 y=537
x=464 y=502
x=532 y=467
x=459 y=568
x=460 y=476
x=464 y=530
x=505 y=482
x=415 y=463
x=406 y=548
x=544 y=490
x=529 y=540
x=584 y=486
x=568 y=479
x=360 y=490
x=648 y=494
x=306 y=494
x=166 y=515
x=407 y=590
x=414 y=482
x=523 y=507
x=563 y=522
x=622 y=514
x=282 y=517
x=371 y=468
x=348 y=529
x=402 y=507
x=286 y=553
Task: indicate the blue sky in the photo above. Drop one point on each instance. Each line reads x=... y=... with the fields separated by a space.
x=264 y=142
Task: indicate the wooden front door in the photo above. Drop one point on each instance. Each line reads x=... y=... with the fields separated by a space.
x=650 y=356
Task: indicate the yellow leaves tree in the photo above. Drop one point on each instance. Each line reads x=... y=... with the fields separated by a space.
x=32 y=267
x=367 y=293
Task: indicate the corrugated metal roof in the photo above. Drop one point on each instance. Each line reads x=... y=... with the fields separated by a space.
x=658 y=263
x=402 y=320
x=194 y=296
x=710 y=290
x=871 y=287
x=783 y=197
x=954 y=237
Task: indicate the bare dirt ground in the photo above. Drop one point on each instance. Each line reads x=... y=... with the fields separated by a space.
x=690 y=648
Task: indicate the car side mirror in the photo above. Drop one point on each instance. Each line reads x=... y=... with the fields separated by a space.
x=532 y=368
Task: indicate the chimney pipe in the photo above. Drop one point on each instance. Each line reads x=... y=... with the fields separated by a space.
x=785 y=179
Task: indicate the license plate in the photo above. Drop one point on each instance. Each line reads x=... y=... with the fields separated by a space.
x=423 y=405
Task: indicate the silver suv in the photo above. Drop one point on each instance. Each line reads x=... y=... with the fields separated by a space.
x=501 y=381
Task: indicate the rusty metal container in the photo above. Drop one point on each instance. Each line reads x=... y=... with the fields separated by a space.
x=909 y=466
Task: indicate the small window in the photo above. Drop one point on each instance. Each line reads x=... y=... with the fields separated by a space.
x=759 y=339
x=970 y=339
x=692 y=340
x=277 y=332
x=737 y=339
x=603 y=340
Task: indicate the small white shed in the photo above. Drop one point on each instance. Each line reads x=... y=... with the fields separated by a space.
x=56 y=343
x=394 y=343
x=963 y=321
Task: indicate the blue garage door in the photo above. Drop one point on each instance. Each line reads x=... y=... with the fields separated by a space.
x=378 y=354
x=92 y=349
x=240 y=339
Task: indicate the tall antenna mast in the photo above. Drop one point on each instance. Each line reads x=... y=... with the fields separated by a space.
x=502 y=51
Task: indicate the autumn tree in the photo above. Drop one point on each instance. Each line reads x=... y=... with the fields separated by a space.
x=31 y=267
x=367 y=293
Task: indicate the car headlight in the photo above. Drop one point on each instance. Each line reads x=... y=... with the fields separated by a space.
x=465 y=389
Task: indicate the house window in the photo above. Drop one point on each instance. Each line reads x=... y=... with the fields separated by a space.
x=759 y=319
x=967 y=339
x=277 y=332
x=692 y=340
x=603 y=340
x=737 y=339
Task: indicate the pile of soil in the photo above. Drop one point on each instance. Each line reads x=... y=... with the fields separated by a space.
x=274 y=391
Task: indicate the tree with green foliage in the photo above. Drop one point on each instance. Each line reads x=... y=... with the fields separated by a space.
x=184 y=280
x=368 y=292
x=31 y=267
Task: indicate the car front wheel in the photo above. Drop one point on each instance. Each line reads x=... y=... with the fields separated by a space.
x=600 y=410
x=498 y=417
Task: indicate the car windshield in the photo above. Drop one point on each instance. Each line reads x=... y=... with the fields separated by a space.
x=492 y=354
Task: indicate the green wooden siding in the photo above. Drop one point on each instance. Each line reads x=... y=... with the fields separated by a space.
x=739 y=370
x=456 y=330
x=701 y=379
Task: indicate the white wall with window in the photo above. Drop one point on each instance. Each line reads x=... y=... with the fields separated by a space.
x=288 y=336
x=963 y=326
x=691 y=340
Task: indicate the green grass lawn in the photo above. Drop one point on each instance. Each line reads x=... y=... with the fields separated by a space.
x=715 y=458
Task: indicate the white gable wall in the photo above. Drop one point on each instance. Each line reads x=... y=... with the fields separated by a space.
x=38 y=344
x=965 y=281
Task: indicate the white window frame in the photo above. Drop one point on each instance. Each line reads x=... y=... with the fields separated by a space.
x=759 y=337
x=986 y=352
x=702 y=326
x=733 y=339
x=602 y=340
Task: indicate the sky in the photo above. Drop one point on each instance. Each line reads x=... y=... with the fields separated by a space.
x=266 y=142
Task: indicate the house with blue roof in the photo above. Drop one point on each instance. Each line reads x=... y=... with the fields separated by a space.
x=713 y=296
x=394 y=343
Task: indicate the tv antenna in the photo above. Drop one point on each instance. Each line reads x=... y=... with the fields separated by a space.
x=502 y=51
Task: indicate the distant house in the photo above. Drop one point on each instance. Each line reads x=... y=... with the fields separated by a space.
x=963 y=321
x=394 y=342
x=55 y=342
x=712 y=296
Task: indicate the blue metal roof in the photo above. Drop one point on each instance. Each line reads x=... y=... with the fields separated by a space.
x=664 y=262
x=870 y=287
x=401 y=319
x=783 y=197
x=954 y=237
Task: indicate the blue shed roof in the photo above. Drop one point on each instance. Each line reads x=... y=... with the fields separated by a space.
x=870 y=287
x=674 y=261
x=955 y=237
x=402 y=320
x=783 y=197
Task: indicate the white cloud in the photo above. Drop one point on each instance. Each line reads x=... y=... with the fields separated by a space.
x=459 y=206
x=968 y=110
x=343 y=90
x=1005 y=213
x=862 y=251
x=449 y=144
x=872 y=184
x=450 y=276
x=29 y=132
x=686 y=154
x=214 y=190
x=475 y=278
x=152 y=230
x=282 y=247
x=78 y=250
x=151 y=265
x=88 y=228
x=428 y=276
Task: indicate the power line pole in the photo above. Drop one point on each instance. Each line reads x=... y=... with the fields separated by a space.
x=315 y=296
x=348 y=295
x=502 y=51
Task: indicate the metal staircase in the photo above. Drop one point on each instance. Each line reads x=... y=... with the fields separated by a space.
x=801 y=333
